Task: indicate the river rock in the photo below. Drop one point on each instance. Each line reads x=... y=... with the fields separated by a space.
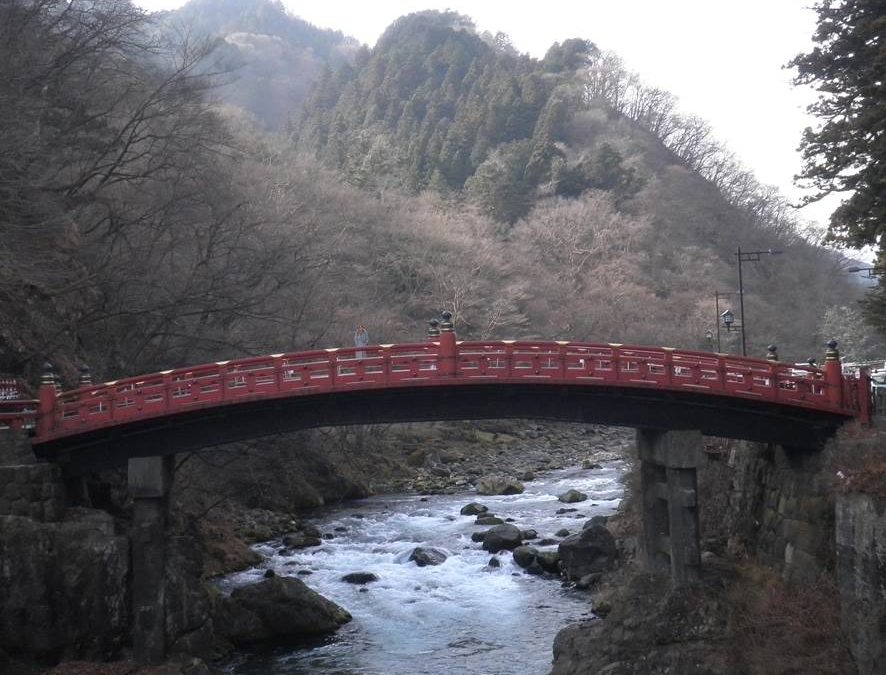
x=416 y=458
x=301 y=540
x=524 y=556
x=498 y=485
x=562 y=532
x=572 y=496
x=359 y=578
x=313 y=531
x=529 y=534
x=478 y=536
x=473 y=509
x=549 y=561
x=534 y=568
x=502 y=537
x=591 y=550
x=424 y=556
x=596 y=520
x=488 y=520
x=274 y=608
x=589 y=580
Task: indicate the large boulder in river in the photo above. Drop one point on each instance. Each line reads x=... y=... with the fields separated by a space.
x=596 y=520
x=279 y=607
x=359 y=578
x=301 y=539
x=488 y=520
x=535 y=561
x=549 y=561
x=572 y=496
x=502 y=537
x=498 y=485
x=473 y=509
x=424 y=556
x=591 y=550
x=524 y=556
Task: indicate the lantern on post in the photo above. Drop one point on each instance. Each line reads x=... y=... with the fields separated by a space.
x=448 y=348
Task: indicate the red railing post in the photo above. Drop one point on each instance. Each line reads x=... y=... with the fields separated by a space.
x=615 y=360
x=433 y=331
x=46 y=401
x=331 y=364
x=833 y=375
x=386 y=363
x=669 y=365
x=448 y=352
x=772 y=357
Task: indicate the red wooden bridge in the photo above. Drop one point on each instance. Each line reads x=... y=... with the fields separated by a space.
x=657 y=387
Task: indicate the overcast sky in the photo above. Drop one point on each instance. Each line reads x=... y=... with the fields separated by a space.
x=723 y=60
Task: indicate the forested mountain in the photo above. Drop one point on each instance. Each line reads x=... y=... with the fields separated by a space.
x=434 y=105
x=271 y=57
x=145 y=226
x=586 y=173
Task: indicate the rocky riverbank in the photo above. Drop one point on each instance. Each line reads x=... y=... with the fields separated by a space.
x=762 y=605
x=464 y=583
x=223 y=501
x=423 y=458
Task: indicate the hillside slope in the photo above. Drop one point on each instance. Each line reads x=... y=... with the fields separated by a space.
x=272 y=58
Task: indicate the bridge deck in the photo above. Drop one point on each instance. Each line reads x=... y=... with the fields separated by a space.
x=698 y=380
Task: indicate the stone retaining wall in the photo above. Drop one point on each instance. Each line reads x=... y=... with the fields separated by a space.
x=861 y=574
x=33 y=490
x=782 y=508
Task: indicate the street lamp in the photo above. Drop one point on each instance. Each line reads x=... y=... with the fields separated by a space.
x=709 y=337
x=728 y=319
x=747 y=256
x=719 y=318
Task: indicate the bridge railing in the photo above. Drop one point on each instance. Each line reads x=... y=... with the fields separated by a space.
x=16 y=414
x=441 y=363
x=172 y=391
x=645 y=366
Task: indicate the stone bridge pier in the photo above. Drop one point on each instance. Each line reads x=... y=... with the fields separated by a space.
x=150 y=482
x=669 y=492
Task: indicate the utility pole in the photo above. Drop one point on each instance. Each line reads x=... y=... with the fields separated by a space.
x=747 y=256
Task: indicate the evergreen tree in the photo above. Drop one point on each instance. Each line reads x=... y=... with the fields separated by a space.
x=848 y=152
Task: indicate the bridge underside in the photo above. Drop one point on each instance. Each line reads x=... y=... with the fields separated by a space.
x=204 y=428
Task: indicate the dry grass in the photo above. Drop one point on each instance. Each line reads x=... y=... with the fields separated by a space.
x=787 y=628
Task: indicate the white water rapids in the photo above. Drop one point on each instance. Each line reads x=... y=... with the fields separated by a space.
x=458 y=617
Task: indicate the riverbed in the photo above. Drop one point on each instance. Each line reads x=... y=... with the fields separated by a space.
x=462 y=616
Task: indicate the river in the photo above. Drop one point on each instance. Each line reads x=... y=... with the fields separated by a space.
x=462 y=616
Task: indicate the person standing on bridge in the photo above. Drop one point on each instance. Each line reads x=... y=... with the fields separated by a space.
x=361 y=339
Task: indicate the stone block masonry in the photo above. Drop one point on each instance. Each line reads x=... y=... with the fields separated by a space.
x=32 y=490
x=669 y=485
x=782 y=508
x=861 y=575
